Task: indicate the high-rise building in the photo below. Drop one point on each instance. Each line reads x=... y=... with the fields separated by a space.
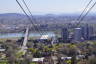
x=77 y=35
x=87 y=32
x=65 y=34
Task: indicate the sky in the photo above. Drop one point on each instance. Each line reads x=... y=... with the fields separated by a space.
x=45 y=6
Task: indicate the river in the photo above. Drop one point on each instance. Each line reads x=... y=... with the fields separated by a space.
x=11 y=35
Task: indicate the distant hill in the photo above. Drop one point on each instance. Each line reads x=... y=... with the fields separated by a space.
x=12 y=18
x=16 y=18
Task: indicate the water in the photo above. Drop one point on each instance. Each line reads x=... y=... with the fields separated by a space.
x=11 y=35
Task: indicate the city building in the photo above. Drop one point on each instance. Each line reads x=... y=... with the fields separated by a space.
x=77 y=35
x=2 y=49
x=65 y=34
x=87 y=32
x=38 y=60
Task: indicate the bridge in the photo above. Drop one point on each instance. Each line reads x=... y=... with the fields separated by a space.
x=25 y=41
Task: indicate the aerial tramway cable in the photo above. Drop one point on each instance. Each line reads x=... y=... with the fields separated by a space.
x=30 y=14
x=35 y=28
x=82 y=18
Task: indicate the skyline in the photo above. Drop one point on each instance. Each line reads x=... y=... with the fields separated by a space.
x=46 y=6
